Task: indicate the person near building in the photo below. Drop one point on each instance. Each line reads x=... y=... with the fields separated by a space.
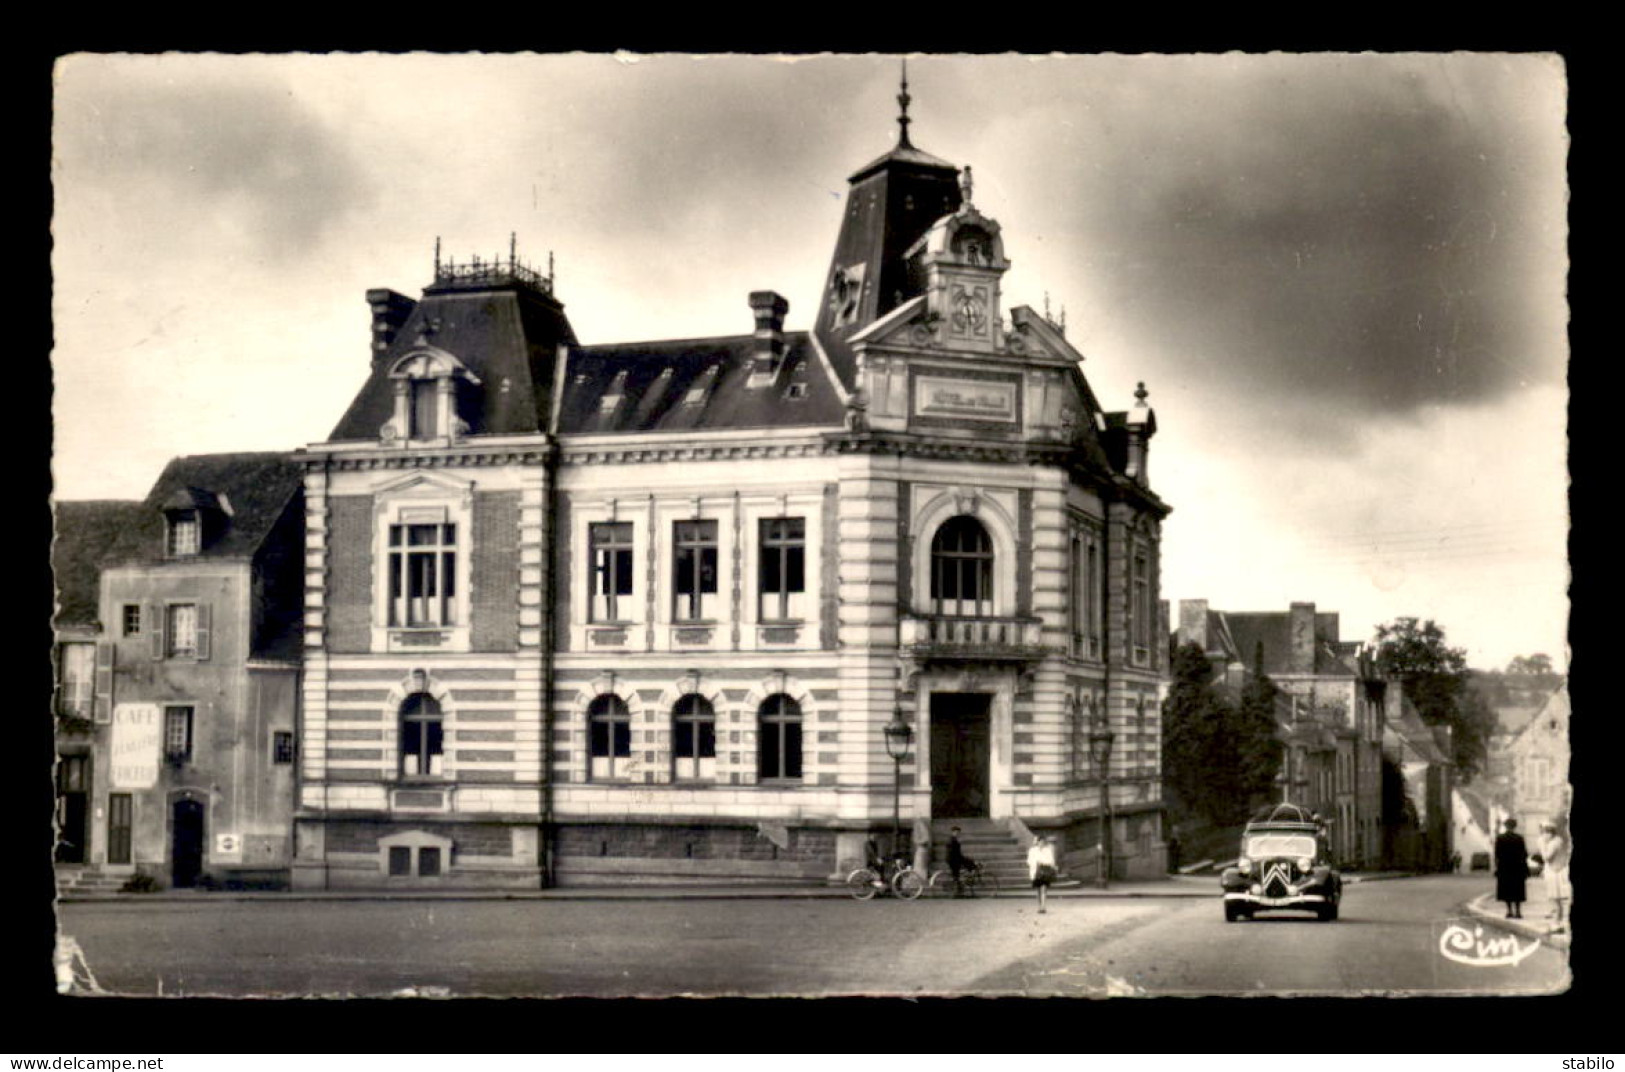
x=1511 y=869
x=958 y=862
x=1554 y=846
x=1041 y=866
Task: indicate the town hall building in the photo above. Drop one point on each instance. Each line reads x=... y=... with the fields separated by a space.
x=583 y=613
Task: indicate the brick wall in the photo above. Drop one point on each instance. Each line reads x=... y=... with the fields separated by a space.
x=494 y=572
x=349 y=573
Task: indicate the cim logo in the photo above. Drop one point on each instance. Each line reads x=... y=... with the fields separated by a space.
x=1465 y=946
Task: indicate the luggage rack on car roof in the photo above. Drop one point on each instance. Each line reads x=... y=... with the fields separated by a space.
x=1285 y=813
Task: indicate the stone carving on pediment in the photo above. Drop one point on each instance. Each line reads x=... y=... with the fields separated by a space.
x=926 y=331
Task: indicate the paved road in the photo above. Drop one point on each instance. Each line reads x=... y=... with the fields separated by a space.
x=1387 y=941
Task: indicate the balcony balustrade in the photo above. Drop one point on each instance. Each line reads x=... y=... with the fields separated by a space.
x=945 y=637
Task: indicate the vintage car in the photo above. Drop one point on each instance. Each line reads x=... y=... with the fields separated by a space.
x=1285 y=865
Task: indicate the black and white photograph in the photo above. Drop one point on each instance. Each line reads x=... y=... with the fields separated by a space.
x=651 y=525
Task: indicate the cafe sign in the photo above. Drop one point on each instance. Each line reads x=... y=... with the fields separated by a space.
x=137 y=731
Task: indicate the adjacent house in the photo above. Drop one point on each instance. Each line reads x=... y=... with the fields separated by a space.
x=179 y=664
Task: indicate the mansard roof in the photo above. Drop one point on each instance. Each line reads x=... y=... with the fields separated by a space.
x=504 y=332
x=670 y=385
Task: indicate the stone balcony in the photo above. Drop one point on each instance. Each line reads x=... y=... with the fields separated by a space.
x=942 y=637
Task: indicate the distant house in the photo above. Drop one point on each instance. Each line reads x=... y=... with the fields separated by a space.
x=1333 y=731
x=1474 y=826
x=1421 y=753
x=178 y=633
x=1538 y=760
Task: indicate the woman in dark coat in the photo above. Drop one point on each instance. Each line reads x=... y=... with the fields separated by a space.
x=1511 y=869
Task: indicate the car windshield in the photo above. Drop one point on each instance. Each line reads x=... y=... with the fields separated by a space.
x=1263 y=846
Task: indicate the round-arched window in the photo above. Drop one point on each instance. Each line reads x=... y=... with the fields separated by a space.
x=962 y=569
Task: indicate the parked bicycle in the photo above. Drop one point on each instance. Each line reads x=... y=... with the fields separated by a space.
x=901 y=880
x=974 y=881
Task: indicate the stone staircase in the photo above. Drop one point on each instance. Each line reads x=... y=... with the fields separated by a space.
x=84 y=878
x=988 y=842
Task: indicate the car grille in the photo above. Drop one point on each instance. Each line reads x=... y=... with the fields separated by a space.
x=1276 y=875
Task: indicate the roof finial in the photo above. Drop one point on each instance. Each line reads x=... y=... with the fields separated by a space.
x=437 y=256
x=1140 y=393
x=964 y=184
x=903 y=120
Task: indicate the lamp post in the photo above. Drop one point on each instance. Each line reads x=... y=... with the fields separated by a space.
x=899 y=735
x=1100 y=749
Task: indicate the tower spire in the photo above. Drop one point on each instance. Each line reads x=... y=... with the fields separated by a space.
x=903 y=120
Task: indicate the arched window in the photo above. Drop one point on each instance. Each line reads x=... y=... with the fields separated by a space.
x=778 y=739
x=962 y=568
x=694 y=738
x=609 y=737
x=422 y=732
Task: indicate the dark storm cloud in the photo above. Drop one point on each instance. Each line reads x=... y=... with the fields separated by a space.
x=1370 y=235
x=244 y=154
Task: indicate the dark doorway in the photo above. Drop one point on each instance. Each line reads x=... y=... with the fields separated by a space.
x=959 y=753
x=186 y=843
x=73 y=810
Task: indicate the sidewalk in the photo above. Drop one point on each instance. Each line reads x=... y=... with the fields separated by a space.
x=1172 y=886
x=1194 y=886
x=1538 y=917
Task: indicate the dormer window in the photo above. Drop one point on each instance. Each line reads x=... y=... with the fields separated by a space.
x=429 y=383
x=185 y=533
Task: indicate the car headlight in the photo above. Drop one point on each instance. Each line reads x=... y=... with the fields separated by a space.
x=1305 y=863
x=1256 y=889
x=1244 y=865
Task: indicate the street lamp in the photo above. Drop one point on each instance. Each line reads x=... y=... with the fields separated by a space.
x=899 y=735
x=1100 y=749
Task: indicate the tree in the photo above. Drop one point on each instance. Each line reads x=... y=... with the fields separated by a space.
x=1539 y=664
x=1255 y=734
x=1435 y=679
x=1218 y=756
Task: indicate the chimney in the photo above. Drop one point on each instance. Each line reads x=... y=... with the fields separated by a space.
x=389 y=313
x=1193 y=622
x=767 y=355
x=1142 y=425
x=1301 y=650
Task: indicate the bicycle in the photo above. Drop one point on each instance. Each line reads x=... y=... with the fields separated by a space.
x=974 y=881
x=905 y=882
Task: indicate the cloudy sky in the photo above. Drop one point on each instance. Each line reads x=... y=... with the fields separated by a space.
x=1341 y=277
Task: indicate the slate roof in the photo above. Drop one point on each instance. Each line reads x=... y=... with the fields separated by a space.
x=505 y=333
x=90 y=534
x=684 y=384
x=257 y=488
x=1273 y=628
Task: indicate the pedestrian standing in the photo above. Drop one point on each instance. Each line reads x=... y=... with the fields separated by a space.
x=957 y=862
x=1041 y=866
x=1511 y=869
x=1554 y=846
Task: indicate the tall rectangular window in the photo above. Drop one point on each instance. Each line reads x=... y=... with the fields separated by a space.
x=77 y=679
x=782 y=576
x=185 y=534
x=177 y=734
x=424 y=408
x=282 y=747
x=694 y=588
x=422 y=575
x=180 y=630
x=610 y=547
x=1141 y=610
x=120 y=816
x=130 y=619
